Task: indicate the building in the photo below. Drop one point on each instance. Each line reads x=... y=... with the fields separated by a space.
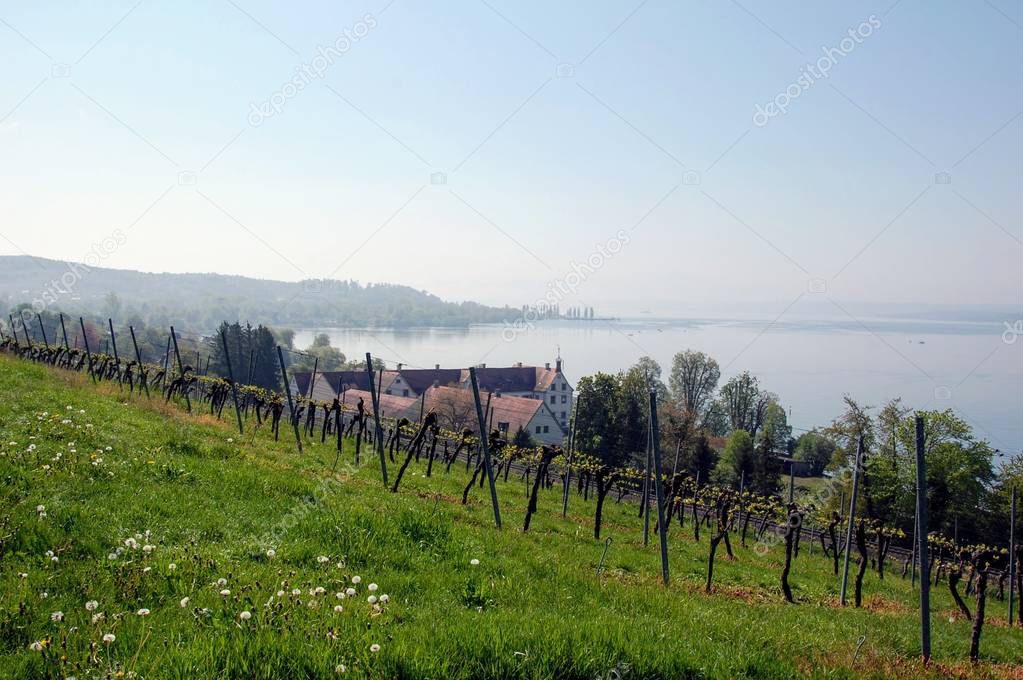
x=529 y=382
x=456 y=409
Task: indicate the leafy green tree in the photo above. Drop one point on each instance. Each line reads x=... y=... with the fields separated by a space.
x=694 y=378
x=816 y=450
x=598 y=401
x=319 y=354
x=738 y=459
x=745 y=403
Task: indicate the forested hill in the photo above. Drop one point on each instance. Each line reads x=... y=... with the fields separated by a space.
x=204 y=300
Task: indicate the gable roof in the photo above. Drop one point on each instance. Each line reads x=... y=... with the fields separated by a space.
x=516 y=411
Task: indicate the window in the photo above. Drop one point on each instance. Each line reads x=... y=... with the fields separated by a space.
x=546 y=429
x=404 y=393
x=564 y=399
x=503 y=427
x=562 y=415
x=538 y=429
x=554 y=399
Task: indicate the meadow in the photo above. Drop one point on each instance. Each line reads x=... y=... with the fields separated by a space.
x=139 y=541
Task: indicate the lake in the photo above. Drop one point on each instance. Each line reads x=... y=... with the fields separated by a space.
x=810 y=363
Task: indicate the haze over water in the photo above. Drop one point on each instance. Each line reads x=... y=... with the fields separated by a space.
x=809 y=362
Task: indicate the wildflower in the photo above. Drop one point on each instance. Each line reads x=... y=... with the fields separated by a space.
x=372 y=599
x=172 y=566
x=339 y=596
x=230 y=440
x=22 y=575
x=184 y=602
x=474 y=562
x=323 y=559
x=36 y=646
x=384 y=599
x=350 y=592
x=44 y=595
x=147 y=548
x=373 y=587
x=374 y=648
x=221 y=582
x=340 y=668
x=271 y=553
x=147 y=570
x=112 y=556
x=280 y=593
x=245 y=615
x=98 y=616
x=225 y=592
x=57 y=616
x=91 y=605
x=319 y=590
x=296 y=592
x=356 y=579
x=55 y=559
x=338 y=608
x=131 y=543
x=108 y=638
x=143 y=612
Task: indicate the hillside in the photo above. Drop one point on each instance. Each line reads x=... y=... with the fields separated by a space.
x=91 y=475
x=204 y=300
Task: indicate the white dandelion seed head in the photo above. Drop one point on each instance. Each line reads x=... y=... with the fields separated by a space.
x=172 y=566
x=91 y=605
x=271 y=553
x=338 y=608
x=323 y=559
x=221 y=582
x=296 y=592
x=372 y=599
x=143 y=612
x=350 y=592
x=319 y=590
x=108 y=638
x=356 y=579
x=340 y=668
x=474 y=562
x=57 y=616
x=98 y=616
x=374 y=648
x=148 y=548
x=245 y=615
x=225 y=592
x=184 y=602
x=112 y=556
x=280 y=593
x=36 y=646
x=373 y=587
x=385 y=598
x=339 y=596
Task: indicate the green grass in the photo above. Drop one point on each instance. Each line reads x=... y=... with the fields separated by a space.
x=533 y=607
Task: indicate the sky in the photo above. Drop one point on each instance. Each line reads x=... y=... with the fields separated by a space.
x=631 y=156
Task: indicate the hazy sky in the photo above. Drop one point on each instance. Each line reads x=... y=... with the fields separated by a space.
x=558 y=127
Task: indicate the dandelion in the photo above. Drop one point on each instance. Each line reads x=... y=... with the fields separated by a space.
x=356 y=579
x=338 y=608
x=22 y=575
x=44 y=595
x=57 y=616
x=112 y=556
x=245 y=615
x=36 y=646
x=373 y=587
x=323 y=559
x=184 y=602
x=230 y=440
x=385 y=598
x=147 y=570
x=296 y=592
x=339 y=596
x=372 y=599
x=221 y=582
x=172 y=566
x=374 y=648
x=319 y=590
x=280 y=593
x=271 y=553
x=91 y=605
x=148 y=548
x=108 y=638
x=474 y=562
x=55 y=559
x=340 y=668
x=131 y=543
x=143 y=612
x=98 y=616
x=225 y=592
x=350 y=592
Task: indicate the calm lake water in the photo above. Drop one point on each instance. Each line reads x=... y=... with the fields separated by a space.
x=809 y=363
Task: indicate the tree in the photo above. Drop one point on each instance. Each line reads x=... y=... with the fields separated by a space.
x=815 y=449
x=738 y=459
x=321 y=355
x=694 y=378
x=522 y=439
x=745 y=403
x=598 y=401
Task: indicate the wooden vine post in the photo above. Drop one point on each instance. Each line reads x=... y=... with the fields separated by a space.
x=1013 y=567
x=230 y=374
x=88 y=353
x=484 y=446
x=379 y=432
x=925 y=570
x=63 y=329
x=568 y=463
x=42 y=328
x=113 y=343
x=14 y=330
x=852 y=517
x=291 y=404
x=181 y=366
x=655 y=445
x=138 y=357
x=646 y=483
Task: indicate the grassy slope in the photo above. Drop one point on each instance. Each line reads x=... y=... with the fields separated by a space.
x=544 y=613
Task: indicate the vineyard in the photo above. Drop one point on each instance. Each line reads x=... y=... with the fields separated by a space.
x=159 y=521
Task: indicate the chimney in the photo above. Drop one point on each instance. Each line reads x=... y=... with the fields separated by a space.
x=547 y=365
x=400 y=366
x=518 y=364
x=436 y=383
x=483 y=365
x=498 y=393
x=436 y=367
x=558 y=366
